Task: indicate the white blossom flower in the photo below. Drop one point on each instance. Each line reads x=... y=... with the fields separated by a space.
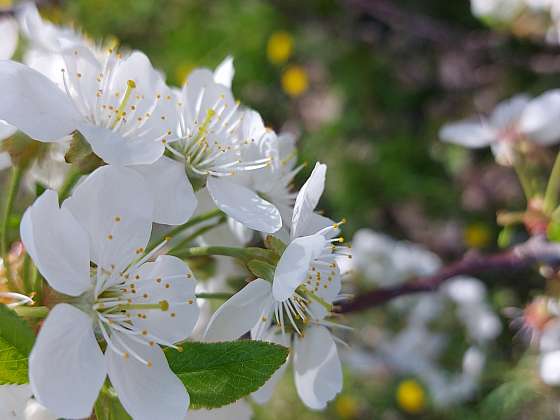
x=120 y=105
x=210 y=145
x=92 y=249
x=306 y=282
x=512 y=121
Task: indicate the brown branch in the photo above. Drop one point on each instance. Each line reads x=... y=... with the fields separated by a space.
x=471 y=264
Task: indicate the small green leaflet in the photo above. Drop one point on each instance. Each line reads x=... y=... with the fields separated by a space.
x=217 y=374
x=108 y=406
x=16 y=342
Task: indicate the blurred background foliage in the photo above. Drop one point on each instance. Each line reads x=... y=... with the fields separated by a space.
x=365 y=85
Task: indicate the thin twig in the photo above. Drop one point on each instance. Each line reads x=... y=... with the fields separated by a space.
x=511 y=260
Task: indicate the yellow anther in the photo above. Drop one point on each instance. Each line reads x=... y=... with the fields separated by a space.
x=164 y=305
x=131 y=84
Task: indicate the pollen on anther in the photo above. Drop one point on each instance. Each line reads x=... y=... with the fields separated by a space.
x=190 y=301
x=117 y=219
x=145 y=332
x=167 y=285
x=149 y=364
x=125 y=355
x=110 y=237
x=172 y=314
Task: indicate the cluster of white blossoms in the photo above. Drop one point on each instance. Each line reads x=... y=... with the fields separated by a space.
x=536 y=17
x=120 y=300
x=417 y=348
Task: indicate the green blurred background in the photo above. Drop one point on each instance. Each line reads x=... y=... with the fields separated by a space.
x=366 y=85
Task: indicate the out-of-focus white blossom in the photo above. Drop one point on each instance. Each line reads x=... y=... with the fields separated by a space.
x=512 y=122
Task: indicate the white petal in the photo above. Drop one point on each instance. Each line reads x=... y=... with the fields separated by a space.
x=58 y=245
x=13 y=399
x=34 y=104
x=177 y=287
x=117 y=150
x=550 y=368
x=465 y=290
x=66 y=366
x=294 y=263
x=6 y=130
x=308 y=198
x=147 y=393
x=239 y=313
x=174 y=196
x=115 y=207
x=315 y=223
x=540 y=120
x=8 y=43
x=35 y=411
x=224 y=72
x=5 y=161
x=318 y=374
x=264 y=393
x=239 y=410
x=508 y=112
x=468 y=133
x=244 y=205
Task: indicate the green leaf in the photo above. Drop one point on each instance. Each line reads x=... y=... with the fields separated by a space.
x=81 y=156
x=553 y=231
x=261 y=269
x=217 y=374
x=16 y=342
x=108 y=406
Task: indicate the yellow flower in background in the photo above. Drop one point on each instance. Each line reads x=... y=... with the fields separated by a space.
x=347 y=407
x=294 y=81
x=6 y=3
x=411 y=396
x=280 y=46
x=477 y=235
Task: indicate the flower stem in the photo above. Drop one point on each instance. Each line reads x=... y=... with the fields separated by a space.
x=196 y=234
x=551 y=194
x=178 y=229
x=223 y=296
x=72 y=177
x=13 y=187
x=244 y=254
x=524 y=181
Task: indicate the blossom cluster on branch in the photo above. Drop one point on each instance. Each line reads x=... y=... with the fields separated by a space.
x=152 y=202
